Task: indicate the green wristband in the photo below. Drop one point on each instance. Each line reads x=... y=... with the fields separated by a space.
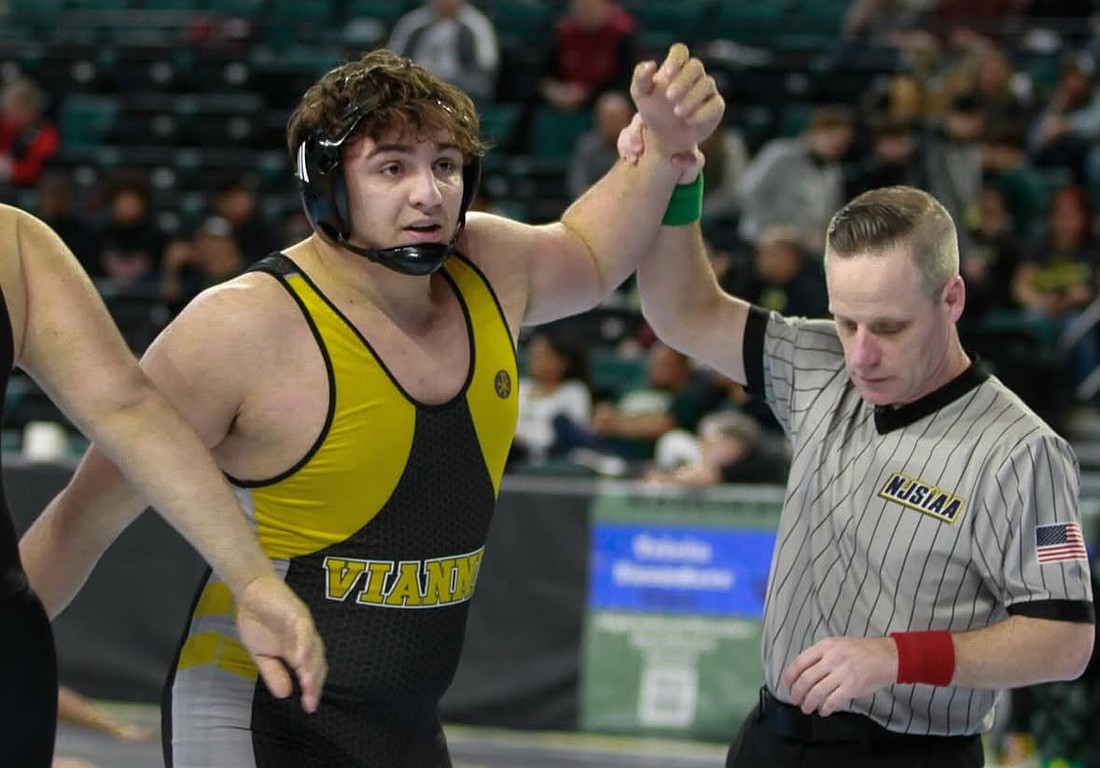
x=685 y=205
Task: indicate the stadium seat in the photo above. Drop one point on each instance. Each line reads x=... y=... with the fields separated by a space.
x=101 y=5
x=70 y=66
x=172 y=5
x=521 y=22
x=246 y=9
x=556 y=132
x=141 y=68
x=613 y=374
x=820 y=18
x=684 y=21
x=385 y=11
x=86 y=119
x=751 y=22
x=497 y=121
x=33 y=13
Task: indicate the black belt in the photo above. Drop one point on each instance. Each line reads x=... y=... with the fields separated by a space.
x=791 y=723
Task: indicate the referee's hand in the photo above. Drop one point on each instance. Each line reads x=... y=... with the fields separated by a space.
x=830 y=673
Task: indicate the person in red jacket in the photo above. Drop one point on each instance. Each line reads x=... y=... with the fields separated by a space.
x=27 y=139
x=593 y=50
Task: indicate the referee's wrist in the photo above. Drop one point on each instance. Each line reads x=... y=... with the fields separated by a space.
x=925 y=657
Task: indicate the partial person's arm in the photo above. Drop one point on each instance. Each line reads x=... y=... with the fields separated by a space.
x=65 y=339
x=685 y=306
x=680 y=296
x=1017 y=652
x=570 y=266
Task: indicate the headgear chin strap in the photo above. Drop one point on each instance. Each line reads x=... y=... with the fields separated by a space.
x=324 y=194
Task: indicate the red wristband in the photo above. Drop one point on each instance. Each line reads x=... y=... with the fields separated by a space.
x=925 y=657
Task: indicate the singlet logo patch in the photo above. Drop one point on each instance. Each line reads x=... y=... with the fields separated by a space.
x=403 y=584
x=502 y=383
x=923 y=497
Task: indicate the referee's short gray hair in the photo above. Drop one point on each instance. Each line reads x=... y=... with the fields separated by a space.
x=899 y=216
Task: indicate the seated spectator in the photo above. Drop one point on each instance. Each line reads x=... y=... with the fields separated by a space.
x=1006 y=96
x=630 y=427
x=727 y=448
x=977 y=14
x=131 y=242
x=556 y=387
x=952 y=158
x=1007 y=167
x=455 y=41
x=990 y=258
x=878 y=21
x=56 y=208
x=798 y=181
x=783 y=277
x=894 y=158
x=1057 y=278
x=234 y=201
x=596 y=150
x=1065 y=132
x=27 y=139
x=726 y=157
x=211 y=256
x=594 y=50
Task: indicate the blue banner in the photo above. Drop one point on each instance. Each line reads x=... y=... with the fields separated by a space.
x=683 y=570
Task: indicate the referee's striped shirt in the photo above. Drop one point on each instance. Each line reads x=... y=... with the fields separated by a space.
x=935 y=515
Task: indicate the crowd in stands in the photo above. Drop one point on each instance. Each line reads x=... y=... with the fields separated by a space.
x=149 y=135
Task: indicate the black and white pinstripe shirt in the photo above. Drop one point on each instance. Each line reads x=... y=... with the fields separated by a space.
x=930 y=516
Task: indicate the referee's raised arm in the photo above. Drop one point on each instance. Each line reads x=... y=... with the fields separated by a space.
x=685 y=306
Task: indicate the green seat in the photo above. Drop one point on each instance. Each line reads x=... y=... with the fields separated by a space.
x=385 y=11
x=684 y=21
x=172 y=5
x=85 y=119
x=101 y=5
x=318 y=12
x=748 y=21
x=795 y=119
x=245 y=8
x=818 y=17
x=33 y=12
x=521 y=21
x=556 y=132
x=497 y=121
x=615 y=374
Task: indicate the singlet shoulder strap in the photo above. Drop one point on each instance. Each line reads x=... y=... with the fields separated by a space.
x=277 y=264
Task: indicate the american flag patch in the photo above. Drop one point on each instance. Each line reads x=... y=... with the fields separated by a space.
x=1062 y=541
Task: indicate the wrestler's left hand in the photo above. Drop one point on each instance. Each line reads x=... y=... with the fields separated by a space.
x=278 y=630
x=833 y=671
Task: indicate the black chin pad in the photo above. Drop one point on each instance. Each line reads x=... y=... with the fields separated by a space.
x=420 y=259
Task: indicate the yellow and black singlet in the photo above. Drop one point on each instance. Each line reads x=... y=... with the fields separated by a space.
x=380 y=528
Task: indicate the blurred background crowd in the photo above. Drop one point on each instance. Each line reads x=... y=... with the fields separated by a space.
x=150 y=135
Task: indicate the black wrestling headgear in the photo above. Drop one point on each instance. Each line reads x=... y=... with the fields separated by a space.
x=324 y=194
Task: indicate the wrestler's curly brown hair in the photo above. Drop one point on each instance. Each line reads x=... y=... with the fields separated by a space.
x=397 y=94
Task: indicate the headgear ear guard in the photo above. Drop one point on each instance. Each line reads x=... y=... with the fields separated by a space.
x=324 y=194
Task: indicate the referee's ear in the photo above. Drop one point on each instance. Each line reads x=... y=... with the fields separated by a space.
x=953 y=296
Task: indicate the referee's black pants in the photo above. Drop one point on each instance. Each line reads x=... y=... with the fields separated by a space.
x=778 y=735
